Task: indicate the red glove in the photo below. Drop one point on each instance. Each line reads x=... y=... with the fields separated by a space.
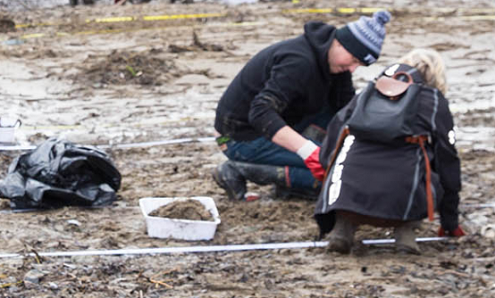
x=458 y=232
x=310 y=153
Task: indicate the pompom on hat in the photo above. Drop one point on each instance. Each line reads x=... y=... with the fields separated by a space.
x=364 y=37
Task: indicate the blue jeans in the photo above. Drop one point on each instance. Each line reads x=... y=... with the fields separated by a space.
x=263 y=151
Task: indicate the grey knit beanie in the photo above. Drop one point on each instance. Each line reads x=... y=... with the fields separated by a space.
x=364 y=37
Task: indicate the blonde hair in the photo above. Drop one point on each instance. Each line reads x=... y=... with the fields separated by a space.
x=431 y=66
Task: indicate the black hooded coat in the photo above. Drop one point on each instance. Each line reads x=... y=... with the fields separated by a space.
x=388 y=181
x=283 y=84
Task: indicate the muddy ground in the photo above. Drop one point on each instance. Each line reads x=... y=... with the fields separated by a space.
x=70 y=74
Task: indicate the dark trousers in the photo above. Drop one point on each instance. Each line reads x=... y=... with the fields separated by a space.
x=264 y=151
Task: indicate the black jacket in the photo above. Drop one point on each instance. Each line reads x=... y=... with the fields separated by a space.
x=388 y=181
x=281 y=85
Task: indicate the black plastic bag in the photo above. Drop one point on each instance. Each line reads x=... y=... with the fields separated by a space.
x=59 y=173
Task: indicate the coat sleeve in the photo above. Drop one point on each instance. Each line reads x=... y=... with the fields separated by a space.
x=334 y=129
x=447 y=165
x=289 y=78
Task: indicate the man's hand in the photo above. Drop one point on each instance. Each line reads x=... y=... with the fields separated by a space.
x=457 y=232
x=310 y=153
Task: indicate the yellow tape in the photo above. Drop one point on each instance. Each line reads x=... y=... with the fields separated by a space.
x=35 y=35
x=372 y=9
x=341 y=10
x=132 y=19
x=9 y=284
x=112 y=20
x=183 y=16
x=18 y=26
x=478 y=18
x=308 y=10
x=157 y=18
x=346 y=10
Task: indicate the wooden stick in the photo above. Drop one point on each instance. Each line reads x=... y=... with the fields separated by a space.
x=157 y=282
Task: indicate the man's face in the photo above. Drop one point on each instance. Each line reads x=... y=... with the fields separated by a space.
x=341 y=60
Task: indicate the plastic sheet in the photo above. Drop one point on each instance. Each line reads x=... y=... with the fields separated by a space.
x=59 y=173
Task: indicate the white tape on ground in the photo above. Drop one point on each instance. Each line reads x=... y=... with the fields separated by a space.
x=202 y=249
x=123 y=146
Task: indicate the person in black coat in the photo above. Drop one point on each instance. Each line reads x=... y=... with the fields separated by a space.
x=384 y=184
x=269 y=118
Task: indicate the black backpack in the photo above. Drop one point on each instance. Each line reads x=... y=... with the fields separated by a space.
x=385 y=112
x=386 y=109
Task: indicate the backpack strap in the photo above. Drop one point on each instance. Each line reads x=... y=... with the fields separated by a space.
x=340 y=141
x=429 y=196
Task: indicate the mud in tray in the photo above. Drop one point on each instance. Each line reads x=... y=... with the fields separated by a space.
x=164 y=222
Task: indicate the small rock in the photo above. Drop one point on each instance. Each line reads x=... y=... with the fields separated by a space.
x=244 y=278
x=488 y=231
x=33 y=276
x=53 y=286
x=30 y=285
x=74 y=222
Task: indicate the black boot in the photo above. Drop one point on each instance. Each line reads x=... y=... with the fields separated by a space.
x=405 y=238
x=229 y=178
x=341 y=238
x=232 y=176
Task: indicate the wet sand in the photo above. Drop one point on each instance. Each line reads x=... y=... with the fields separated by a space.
x=73 y=79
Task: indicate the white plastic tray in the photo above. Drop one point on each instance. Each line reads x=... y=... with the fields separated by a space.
x=183 y=229
x=7 y=135
x=8 y=127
